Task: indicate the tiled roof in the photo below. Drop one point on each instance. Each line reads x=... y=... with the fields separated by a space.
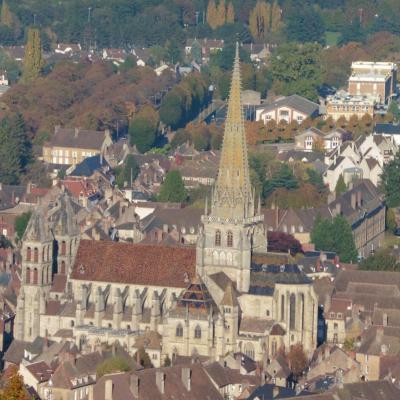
x=134 y=263
x=59 y=283
x=40 y=370
x=296 y=102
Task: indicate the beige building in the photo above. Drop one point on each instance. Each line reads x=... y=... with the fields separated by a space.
x=71 y=146
x=344 y=105
x=207 y=300
x=373 y=79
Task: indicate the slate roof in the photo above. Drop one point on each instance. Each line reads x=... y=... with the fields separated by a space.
x=77 y=138
x=390 y=129
x=154 y=265
x=224 y=376
x=296 y=102
x=88 y=166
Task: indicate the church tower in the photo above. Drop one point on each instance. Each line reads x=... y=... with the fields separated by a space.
x=234 y=228
x=37 y=252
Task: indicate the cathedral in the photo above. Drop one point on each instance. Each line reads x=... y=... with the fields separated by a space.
x=206 y=300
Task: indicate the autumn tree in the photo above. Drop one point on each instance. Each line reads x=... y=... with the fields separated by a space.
x=297 y=359
x=33 y=61
x=259 y=20
x=6 y=18
x=212 y=14
x=230 y=14
x=276 y=17
x=14 y=389
x=221 y=13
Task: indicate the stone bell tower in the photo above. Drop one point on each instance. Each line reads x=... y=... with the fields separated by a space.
x=234 y=228
x=37 y=254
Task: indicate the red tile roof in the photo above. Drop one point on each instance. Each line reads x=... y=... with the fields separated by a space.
x=139 y=264
x=59 y=283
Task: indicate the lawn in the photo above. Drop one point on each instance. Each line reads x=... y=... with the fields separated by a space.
x=332 y=38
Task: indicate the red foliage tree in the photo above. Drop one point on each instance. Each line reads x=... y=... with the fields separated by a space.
x=283 y=242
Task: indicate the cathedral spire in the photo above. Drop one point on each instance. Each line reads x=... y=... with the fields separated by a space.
x=233 y=196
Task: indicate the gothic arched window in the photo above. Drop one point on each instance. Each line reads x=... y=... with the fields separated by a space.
x=249 y=350
x=197 y=332
x=62 y=267
x=63 y=248
x=218 y=238
x=28 y=276
x=35 y=276
x=179 y=331
x=292 y=320
x=229 y=239
x=28 y=254
x=35 y=255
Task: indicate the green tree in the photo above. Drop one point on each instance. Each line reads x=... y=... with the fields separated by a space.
x=394 y=110
x=341 y=186
x=15 y=149
x=335 y=235
x=111 y=365
x=316 y=180
x=33 y=61
x=20 y=224
x=172 y=110
x=390 y=181
x=173 y=189
x=391 y=224
x=144 y=358
x=167 y=361
x=382 y=260
x=144 y=128
x=283 y=178
x=6 y=15
x=304 y=24
x=128 y=172
x=296 y=70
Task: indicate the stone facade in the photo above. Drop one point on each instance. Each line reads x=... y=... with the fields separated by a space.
x=207 y=300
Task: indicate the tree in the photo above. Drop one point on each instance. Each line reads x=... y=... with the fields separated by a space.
x=283 y=242
x=335 y=235
x=304 y=24
x=15 y=389
x=315 y=178
x=382 y=260
x=212 y=14
x=128 y=172
x=111 y=365
x=230 y=14
x=390 y=181
x=20 y=224
x=4 y=242
x=259 y=20
x=296 y=69
x=144 y=358
x=143 y=129
x=341 y=186
x=391 y=223
x=276 y=17
x=394 y=110
x=173 y=189
x=33 y=60
x=6 y=15
x=221 y=13
x=167 y=361
x=15 y=149
x=297 y=359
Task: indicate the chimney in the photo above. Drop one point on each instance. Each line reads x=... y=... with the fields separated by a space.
x=359 y=198
x=160 y=382
x=108 y=390
x=186 y=378
x=353 y=201
x=76 y=132
x=385 y=319
x=134 y=385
